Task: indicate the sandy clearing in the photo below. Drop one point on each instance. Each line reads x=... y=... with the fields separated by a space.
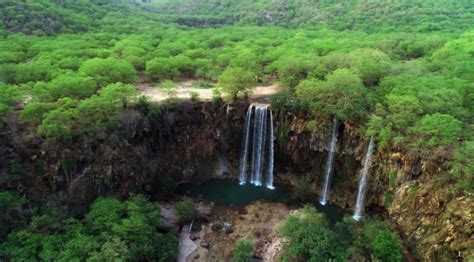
x=185 y=89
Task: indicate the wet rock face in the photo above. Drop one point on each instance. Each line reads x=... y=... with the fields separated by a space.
x=437 y=226
x=183 y=142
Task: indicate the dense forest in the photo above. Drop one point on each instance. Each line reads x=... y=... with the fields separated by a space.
x=400 y=72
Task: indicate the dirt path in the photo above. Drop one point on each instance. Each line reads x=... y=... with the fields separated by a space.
x=185 y=89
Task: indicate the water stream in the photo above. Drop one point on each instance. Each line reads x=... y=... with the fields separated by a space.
x=363 y=181
x=329 y=164
x=258 y=135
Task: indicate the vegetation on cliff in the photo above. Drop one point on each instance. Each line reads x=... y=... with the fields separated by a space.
x=311 y=238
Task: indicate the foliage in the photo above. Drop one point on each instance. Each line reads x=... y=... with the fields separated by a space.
x=463 y=168
x=235 y=80
x=109 y=71
x=168 y=84
x=111 y=231
x=10 y=217
x=309 y=237
x=284 y=101
x=60 y=122
x=243 y=251
x=377 y=238
x=184 y=209
x=437 y=129
x=352 y=15
x=194 y=96
x=342 y=95
x=72 y=86
x=9 y=96
x=387 y=246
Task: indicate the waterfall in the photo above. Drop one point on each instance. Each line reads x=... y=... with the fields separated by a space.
x=363 y=181
x=255 y=136
x=270 y=155
x=245 y=147
x=329 y=163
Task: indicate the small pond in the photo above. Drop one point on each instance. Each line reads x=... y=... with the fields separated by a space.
x=225 y=192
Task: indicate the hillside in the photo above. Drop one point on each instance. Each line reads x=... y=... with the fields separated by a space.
x=369 y=16
x=48 y=17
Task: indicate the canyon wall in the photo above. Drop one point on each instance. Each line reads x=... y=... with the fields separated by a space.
x=197 y=141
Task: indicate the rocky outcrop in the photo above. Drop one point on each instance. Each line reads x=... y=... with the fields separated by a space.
x=258 y=222
x=437 y=225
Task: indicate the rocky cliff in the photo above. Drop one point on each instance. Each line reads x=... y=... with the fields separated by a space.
x=196 y=141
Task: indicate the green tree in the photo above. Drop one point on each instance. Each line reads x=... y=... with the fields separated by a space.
x=10 y=217
x=462 y=168
x=235 y=80
x=243 y=251
x=291 y=70
x=161 y=68
x=104 y=213
x=370 y=64
x=387 y=246
x=342 y=95
x=58 y=123
x=76 y=87
x=9 y=96
x=437 y=129
x=109 y=70
x=309 y=237
x=184 y=209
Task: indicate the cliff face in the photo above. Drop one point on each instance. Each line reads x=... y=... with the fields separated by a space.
x=436 y=225
x=197 y=141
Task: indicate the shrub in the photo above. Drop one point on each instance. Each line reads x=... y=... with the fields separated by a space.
x=202 y=84
x=194 y=96
x=184 y=209
x=168 y=84
x=343 y=95
x=236 y=80
x=309 y=238
x=109 y=71
x=243 y=251
x=387 y=246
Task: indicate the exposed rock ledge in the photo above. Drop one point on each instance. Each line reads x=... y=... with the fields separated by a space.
x=434 y=222
x=258 y=222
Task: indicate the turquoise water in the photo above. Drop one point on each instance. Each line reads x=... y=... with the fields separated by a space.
x=225 y=192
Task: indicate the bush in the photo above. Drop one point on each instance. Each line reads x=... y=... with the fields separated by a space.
x=202 y=84
x=194 y=96
x=168 y=84
x=309 y=237
x=184 y=209
x=234 y=81
x=111 y=231
x=387 y=246
x=216 y=96
x=284 y=101
x=109 y=71
x=243 y=251
x=343 y=95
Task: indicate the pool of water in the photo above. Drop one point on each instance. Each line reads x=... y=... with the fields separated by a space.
x=225 y=192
